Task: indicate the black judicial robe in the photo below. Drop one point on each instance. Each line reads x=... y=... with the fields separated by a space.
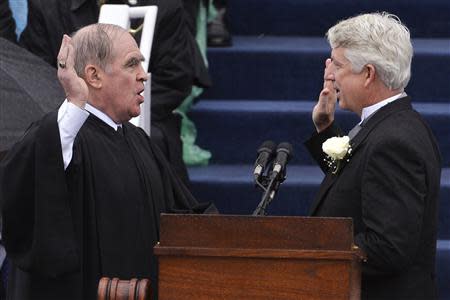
x=65 y=229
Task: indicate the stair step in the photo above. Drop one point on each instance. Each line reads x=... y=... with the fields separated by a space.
x=249 y=123
x=313 y=18
x=271 y=67
x=443 y=268
x=232 y=190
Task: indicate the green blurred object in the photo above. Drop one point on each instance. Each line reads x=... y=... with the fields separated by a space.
x=193 y=155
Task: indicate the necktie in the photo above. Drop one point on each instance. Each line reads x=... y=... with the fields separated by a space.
x=120 y=130
x=354 y=131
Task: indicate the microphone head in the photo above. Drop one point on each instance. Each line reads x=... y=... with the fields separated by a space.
x=265 y=154
x=286 y=148
x=267 y=146
x=284 y=154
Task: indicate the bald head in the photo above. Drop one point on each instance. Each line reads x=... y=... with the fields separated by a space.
x=93 y=44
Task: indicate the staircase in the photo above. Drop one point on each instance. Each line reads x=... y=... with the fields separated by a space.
x=266 y=85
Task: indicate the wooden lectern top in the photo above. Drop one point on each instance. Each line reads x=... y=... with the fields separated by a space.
x=253 y=232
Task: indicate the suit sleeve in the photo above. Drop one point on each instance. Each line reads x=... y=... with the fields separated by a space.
x=37 y=228
x=394 y=189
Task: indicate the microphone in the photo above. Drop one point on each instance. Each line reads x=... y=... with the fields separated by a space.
x=265 y=153
x=284 y=153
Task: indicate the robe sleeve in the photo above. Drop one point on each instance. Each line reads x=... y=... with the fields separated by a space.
x=177 y=198
x=37 y=229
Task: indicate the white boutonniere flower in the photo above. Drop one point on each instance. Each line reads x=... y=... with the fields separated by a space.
x=337 y=149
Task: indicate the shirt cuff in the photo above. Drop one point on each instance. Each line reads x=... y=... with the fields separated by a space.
x=70 y=120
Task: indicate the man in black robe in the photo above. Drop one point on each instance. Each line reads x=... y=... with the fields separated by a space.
x=82 y=192
x=176 y=63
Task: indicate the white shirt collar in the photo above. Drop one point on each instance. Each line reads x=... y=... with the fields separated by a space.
x=102 y=116
x=369 y=110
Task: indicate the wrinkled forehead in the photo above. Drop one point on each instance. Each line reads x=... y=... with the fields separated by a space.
x=338 y=54
x=124 y=44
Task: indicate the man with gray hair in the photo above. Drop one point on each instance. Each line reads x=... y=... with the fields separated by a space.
x=83 y=191
x=387 y=174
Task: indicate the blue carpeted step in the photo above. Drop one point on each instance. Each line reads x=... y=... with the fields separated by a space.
x=233 y=130
x=292 y=68
x=313 y=17
x=231 y=188
x=443 y=268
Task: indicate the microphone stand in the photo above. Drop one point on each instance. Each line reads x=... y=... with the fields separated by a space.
x=270 y=185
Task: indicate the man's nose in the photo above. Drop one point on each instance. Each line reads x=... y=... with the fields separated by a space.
x=146 y=76
x=330 y=76
x=143 y=75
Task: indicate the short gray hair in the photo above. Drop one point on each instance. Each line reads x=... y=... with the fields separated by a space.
x=94 y=45
x=379 y=39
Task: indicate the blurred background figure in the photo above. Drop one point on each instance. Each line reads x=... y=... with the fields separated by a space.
x=218 y=27
x=19 y=10
x=7 y=24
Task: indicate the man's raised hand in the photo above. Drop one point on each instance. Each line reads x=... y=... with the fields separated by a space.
x=323 y=112
x=75 y=87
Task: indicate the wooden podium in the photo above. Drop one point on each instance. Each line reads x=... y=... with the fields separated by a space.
x=247 y=257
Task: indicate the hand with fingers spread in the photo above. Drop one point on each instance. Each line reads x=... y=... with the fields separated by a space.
x=323 y=112
x=75 y=87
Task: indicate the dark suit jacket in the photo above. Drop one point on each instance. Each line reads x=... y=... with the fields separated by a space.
x=390 y=188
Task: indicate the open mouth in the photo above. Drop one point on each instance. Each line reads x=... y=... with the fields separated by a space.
x=140 y=96
x=337 y=91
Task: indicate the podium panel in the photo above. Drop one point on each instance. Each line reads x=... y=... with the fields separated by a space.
x=247 y=257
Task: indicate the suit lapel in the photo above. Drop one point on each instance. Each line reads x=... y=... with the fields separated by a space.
x=383 y=113
x=324 y=187
x=380 y=115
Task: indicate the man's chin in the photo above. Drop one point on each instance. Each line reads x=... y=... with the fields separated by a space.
x=136 y=112
x=342 y=105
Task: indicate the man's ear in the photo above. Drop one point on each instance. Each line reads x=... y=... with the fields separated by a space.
x=93 y=76
x=370 y=74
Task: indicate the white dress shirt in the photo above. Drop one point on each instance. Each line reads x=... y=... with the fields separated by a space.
x=370 y=110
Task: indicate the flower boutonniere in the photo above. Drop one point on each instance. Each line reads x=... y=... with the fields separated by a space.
x=337 y=149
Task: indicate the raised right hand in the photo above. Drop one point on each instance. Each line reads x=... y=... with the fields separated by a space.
x=75 y=87
x=323 y=112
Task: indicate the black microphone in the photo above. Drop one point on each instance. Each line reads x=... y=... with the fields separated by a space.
x=265 y=153
x=284 y=154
